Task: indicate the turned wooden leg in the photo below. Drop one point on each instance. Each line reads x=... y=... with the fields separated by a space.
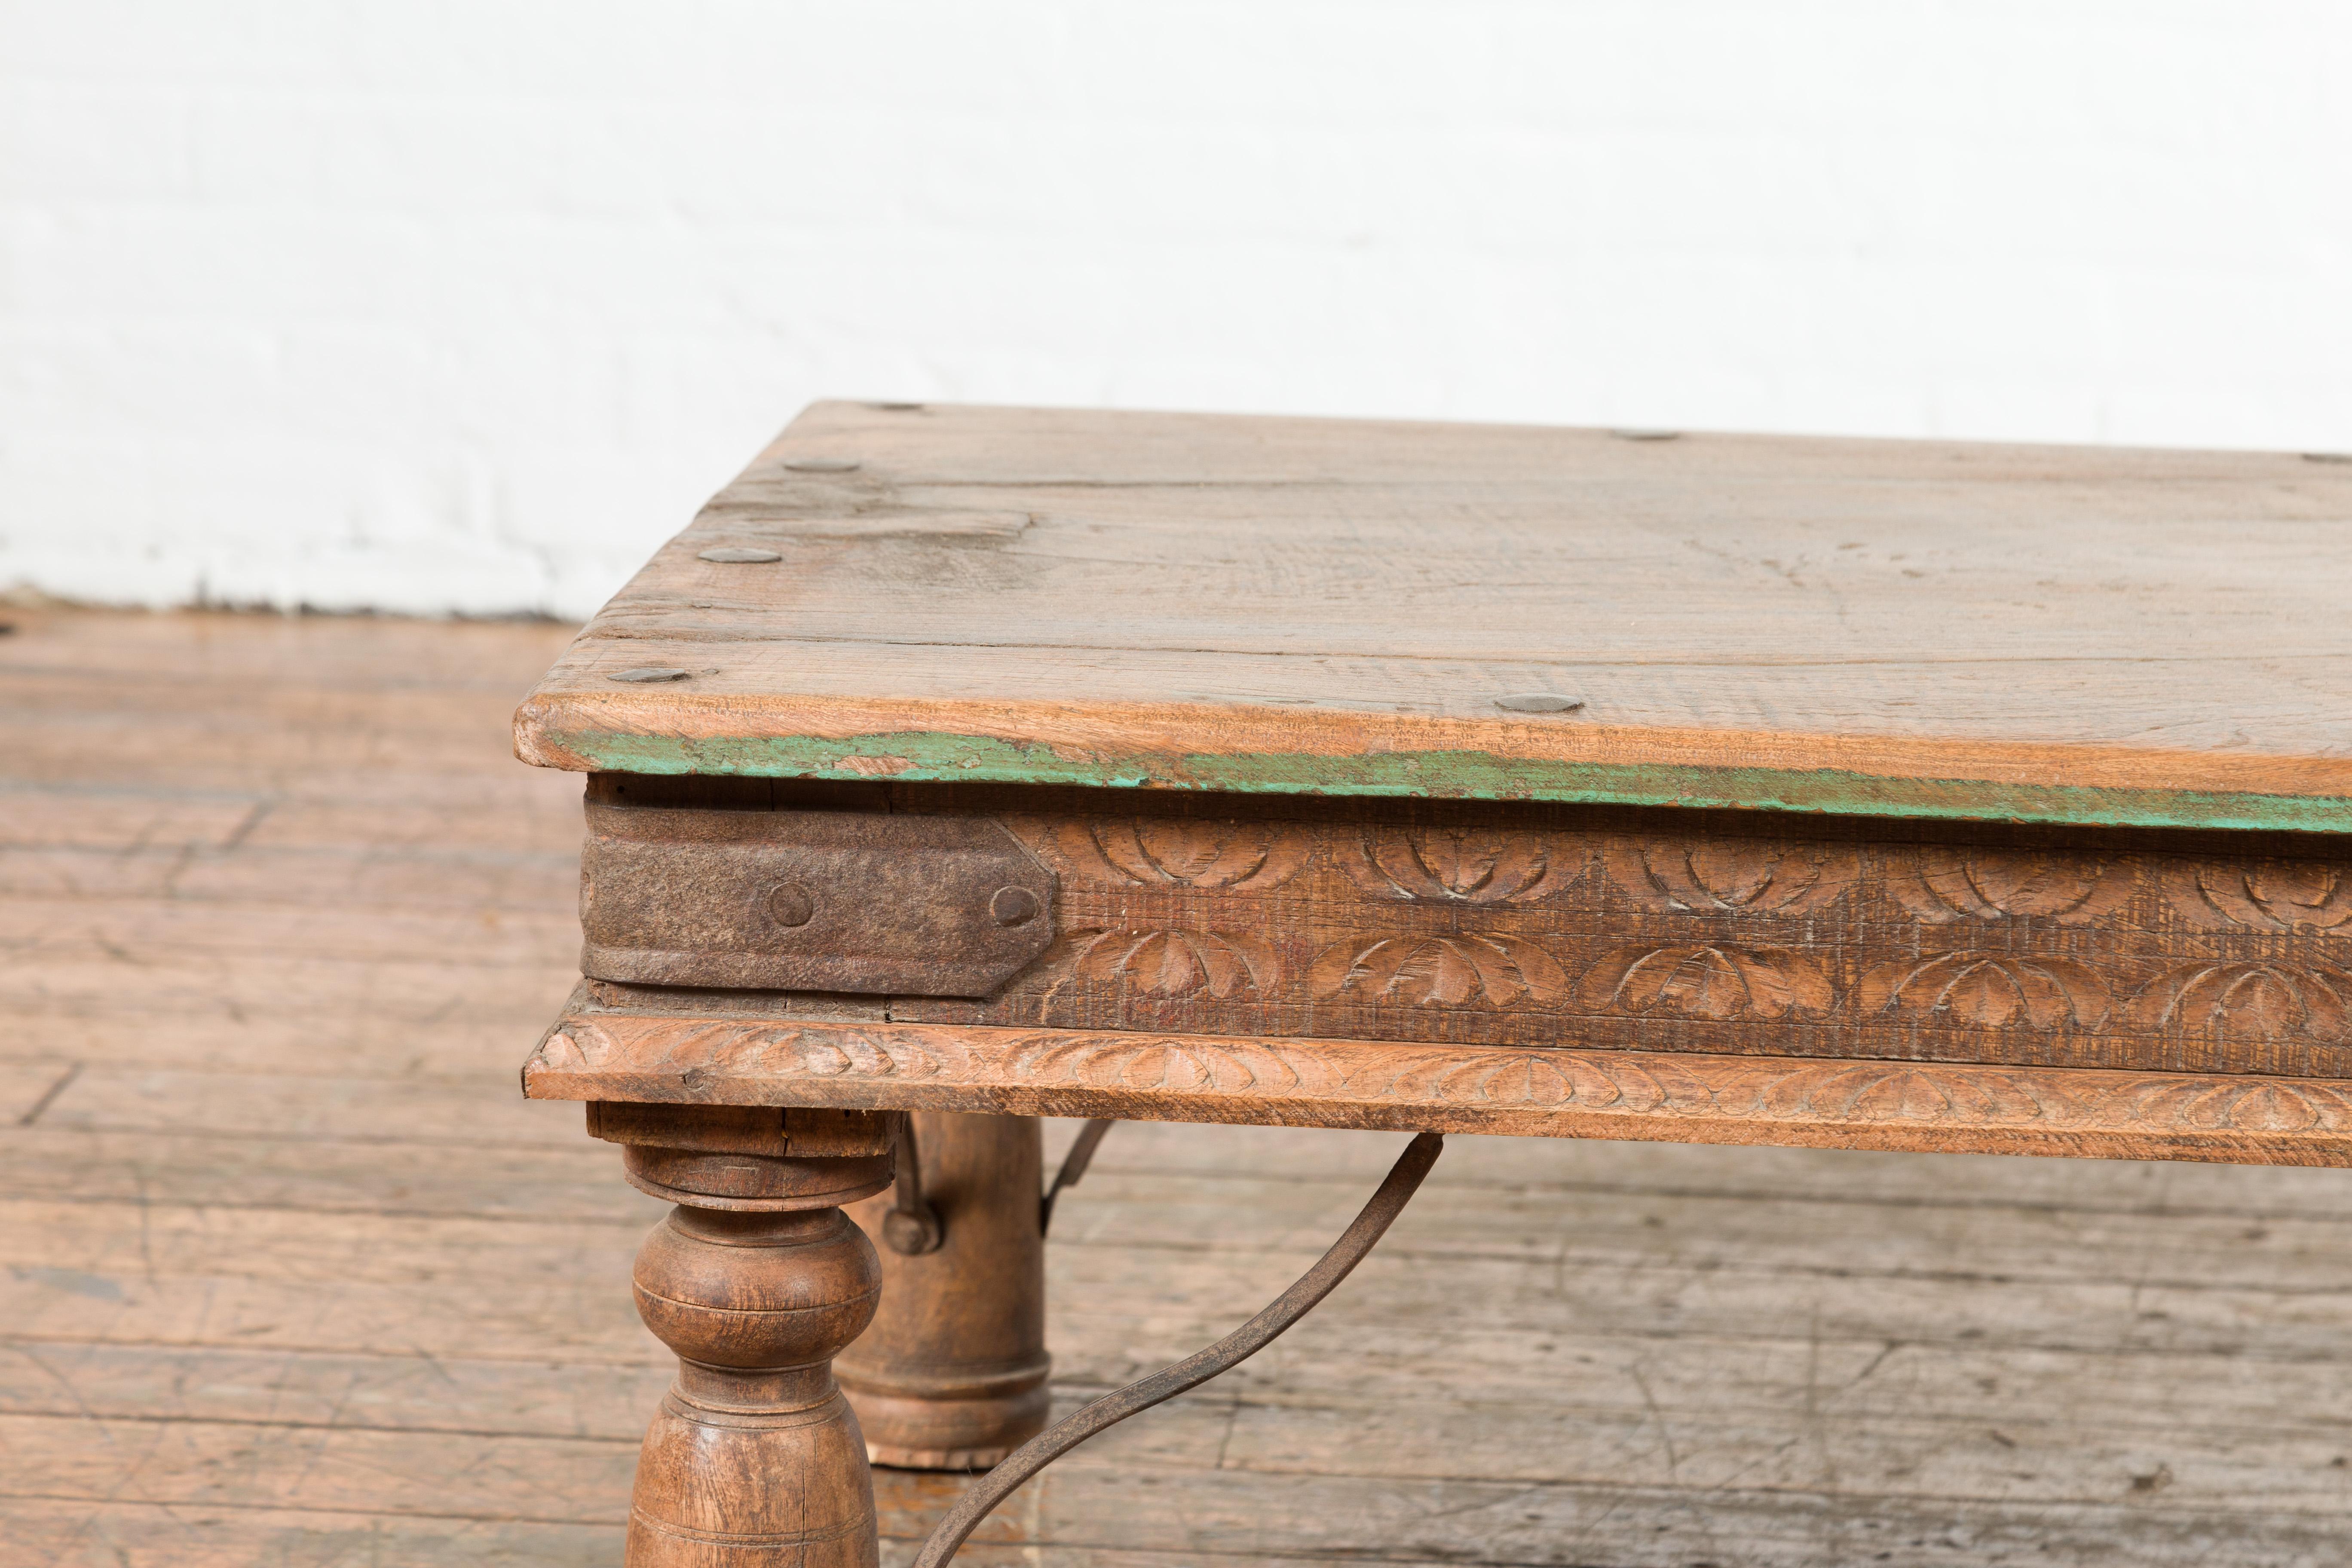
x=756 y=1279
x=951 y=1375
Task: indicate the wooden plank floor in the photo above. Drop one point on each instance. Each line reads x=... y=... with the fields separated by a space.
x=292 y=1277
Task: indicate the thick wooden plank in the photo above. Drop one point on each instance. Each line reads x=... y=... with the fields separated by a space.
x=409 y=1109
x=316 y=878
x=121 y=1533
x=1792 y=1535
x=1575 y=1526
x=342 y=1463
x=1267 y=605
x=158 y=1270
x=384 y=1393
x=1516 y=924
x=161 y=1234
x=686 y=1058
x=35 y=930
x=377 y=1171
x=241 y=1028
x=86 y=977
x=555 y=1480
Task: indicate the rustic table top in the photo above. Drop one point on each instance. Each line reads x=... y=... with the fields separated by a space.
x=1292 y=605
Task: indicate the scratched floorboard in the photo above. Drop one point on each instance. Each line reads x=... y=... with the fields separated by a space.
x=288 y=1276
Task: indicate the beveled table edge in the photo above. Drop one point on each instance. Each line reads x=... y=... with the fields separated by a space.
x=592 y=1053
x=1404 y=756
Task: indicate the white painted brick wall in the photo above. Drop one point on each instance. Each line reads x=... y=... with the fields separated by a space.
x=464 y=306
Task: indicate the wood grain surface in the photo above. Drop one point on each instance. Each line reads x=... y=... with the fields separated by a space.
x=1292 y=605
x=689 y=1057
x=1723 y=933
x=290 y=1274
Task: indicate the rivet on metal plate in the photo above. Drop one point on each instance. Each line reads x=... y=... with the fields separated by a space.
x=649 y=672
x=893 y=905
x=788 y=904
x=821 y=465
x=1012 y=907
x=1538 y=703
x=738 y=556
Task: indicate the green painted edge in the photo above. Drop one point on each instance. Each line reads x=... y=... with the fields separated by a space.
x=1451 y=775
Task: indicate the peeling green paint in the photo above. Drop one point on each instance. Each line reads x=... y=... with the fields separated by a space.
x=925 y=755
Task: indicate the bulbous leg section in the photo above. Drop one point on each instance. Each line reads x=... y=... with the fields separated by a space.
x=755 y=1459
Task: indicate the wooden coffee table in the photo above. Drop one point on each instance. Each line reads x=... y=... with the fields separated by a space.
x=1556 y=782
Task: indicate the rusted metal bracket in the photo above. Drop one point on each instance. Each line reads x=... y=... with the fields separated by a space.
x=912 y=1226
x=1074 y=1166
x=1403 y=1180
x=810 y=901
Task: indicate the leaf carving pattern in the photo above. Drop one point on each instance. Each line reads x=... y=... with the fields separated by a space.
x=1542 y=1076
x=1704 y=981
x=1186 y=852
x=1910 y=1091
x=2260 y=895
x=1470 y=866
x=1734 y=875
x=1988 y=991
x=608 y=1055
x=1176 y=962
x=1943 y=885
x=1155 y=1063
x=1453 y=971
x=2249 y=1001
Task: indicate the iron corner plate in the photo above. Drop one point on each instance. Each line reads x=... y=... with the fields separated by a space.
x=865 y=902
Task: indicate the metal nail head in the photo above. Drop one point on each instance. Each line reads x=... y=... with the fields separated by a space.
x=1538 y=703
x=649 y=672
x=1012 y=907
x=1647 y=435
x=821 y=465
x=738 y=556
x=788 y=904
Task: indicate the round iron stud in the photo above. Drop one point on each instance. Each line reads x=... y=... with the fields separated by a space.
x=788 y=904
x=1012 y=907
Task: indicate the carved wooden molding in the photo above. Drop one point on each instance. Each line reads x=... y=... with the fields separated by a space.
x=1692 y=935
x=598 y=1054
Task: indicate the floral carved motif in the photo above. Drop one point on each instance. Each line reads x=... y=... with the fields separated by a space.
x=1734 y=875
x=1541 y=1076
x=1156 y=1064
x=1175 y=963
x=1911 y=1091
x=1703 y=981
x=1496 y=971
x=1186 y=852
x=1943 y=885
x=1088 y=1072
x=2249 y=1001
x=2260 y=895
x=694 y=1050
x=1470 y=866
x=1988 y=991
